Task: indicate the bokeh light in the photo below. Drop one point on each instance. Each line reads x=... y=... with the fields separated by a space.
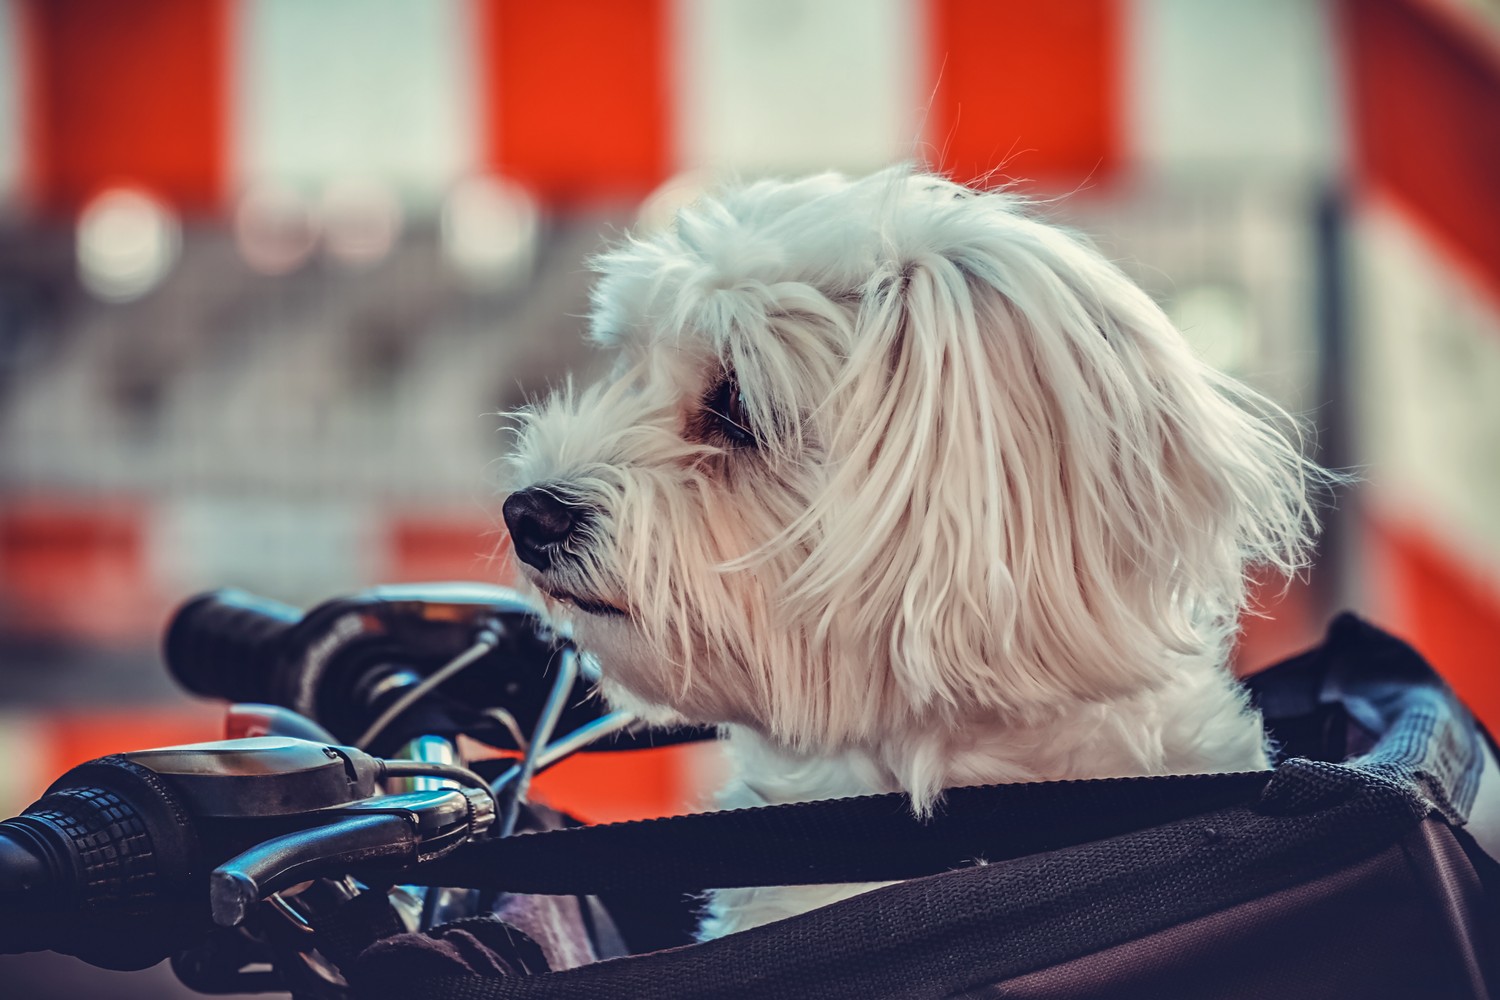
x=1217 y=321
x=275 y=229
x=361 y=220
x=490 y=230
x=660 y=208
x=127 y=243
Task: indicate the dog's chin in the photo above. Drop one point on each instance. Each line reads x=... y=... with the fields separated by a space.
x=622 y=698
x=639 y=678
x=600 y=626
x=587 y=605
x=568 y=602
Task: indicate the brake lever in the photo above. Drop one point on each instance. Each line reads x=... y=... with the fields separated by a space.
x=406 y=829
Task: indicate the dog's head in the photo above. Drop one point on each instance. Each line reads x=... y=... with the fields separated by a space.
x=888 y=452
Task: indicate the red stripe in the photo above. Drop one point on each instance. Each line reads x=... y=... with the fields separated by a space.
x=80 y=735
x=1027 y=90
x=1424 y=94
x=576 y=95
x=423 y=549
x=1285 y=622
x=1443 y=608
x=77 y=570
x=129 y=93
x=628 y=784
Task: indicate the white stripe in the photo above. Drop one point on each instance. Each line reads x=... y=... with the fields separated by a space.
x=296 y=550
x=1484 y=814
x=374 y=89
x=1245 y=86
x=26 y=751
x=1231 y=260
x=12 y=103
x=1428 y=371
x=785 y=86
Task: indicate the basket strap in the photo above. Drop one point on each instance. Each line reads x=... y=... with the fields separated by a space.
x=866 y=839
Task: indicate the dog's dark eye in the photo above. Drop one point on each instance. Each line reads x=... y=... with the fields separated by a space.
x=725 y=409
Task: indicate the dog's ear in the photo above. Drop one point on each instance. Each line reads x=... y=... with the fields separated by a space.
x=1039 y=490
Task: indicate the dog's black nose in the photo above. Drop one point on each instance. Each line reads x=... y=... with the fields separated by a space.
x=538 y=523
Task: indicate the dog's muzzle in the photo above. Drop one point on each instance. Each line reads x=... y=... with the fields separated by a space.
x=540 y=523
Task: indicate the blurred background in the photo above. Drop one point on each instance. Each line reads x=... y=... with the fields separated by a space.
x=268 y=269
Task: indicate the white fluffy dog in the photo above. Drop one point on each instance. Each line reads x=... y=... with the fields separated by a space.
x=907 y=490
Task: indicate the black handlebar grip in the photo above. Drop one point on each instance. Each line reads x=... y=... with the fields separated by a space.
x=224 y=644
x=101 y=867
x=26 y=880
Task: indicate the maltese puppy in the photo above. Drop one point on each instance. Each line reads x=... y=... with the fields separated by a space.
x=905 y=490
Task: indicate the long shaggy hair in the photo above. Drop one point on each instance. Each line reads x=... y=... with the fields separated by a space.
x=908 y=490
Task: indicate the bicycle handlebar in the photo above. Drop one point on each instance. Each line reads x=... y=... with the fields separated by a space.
x=225 y=644
x=113 y=863
x=126 y=859
x=348 y=660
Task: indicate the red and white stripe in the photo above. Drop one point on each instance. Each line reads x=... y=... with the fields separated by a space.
x=1423 y=84
x=111 y=572
x=601 y=99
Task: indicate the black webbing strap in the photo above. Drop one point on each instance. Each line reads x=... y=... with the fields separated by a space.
x=870 y=839
x=1424 y=736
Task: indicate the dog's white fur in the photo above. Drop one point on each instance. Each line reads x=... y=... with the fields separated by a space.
x=994 y=527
